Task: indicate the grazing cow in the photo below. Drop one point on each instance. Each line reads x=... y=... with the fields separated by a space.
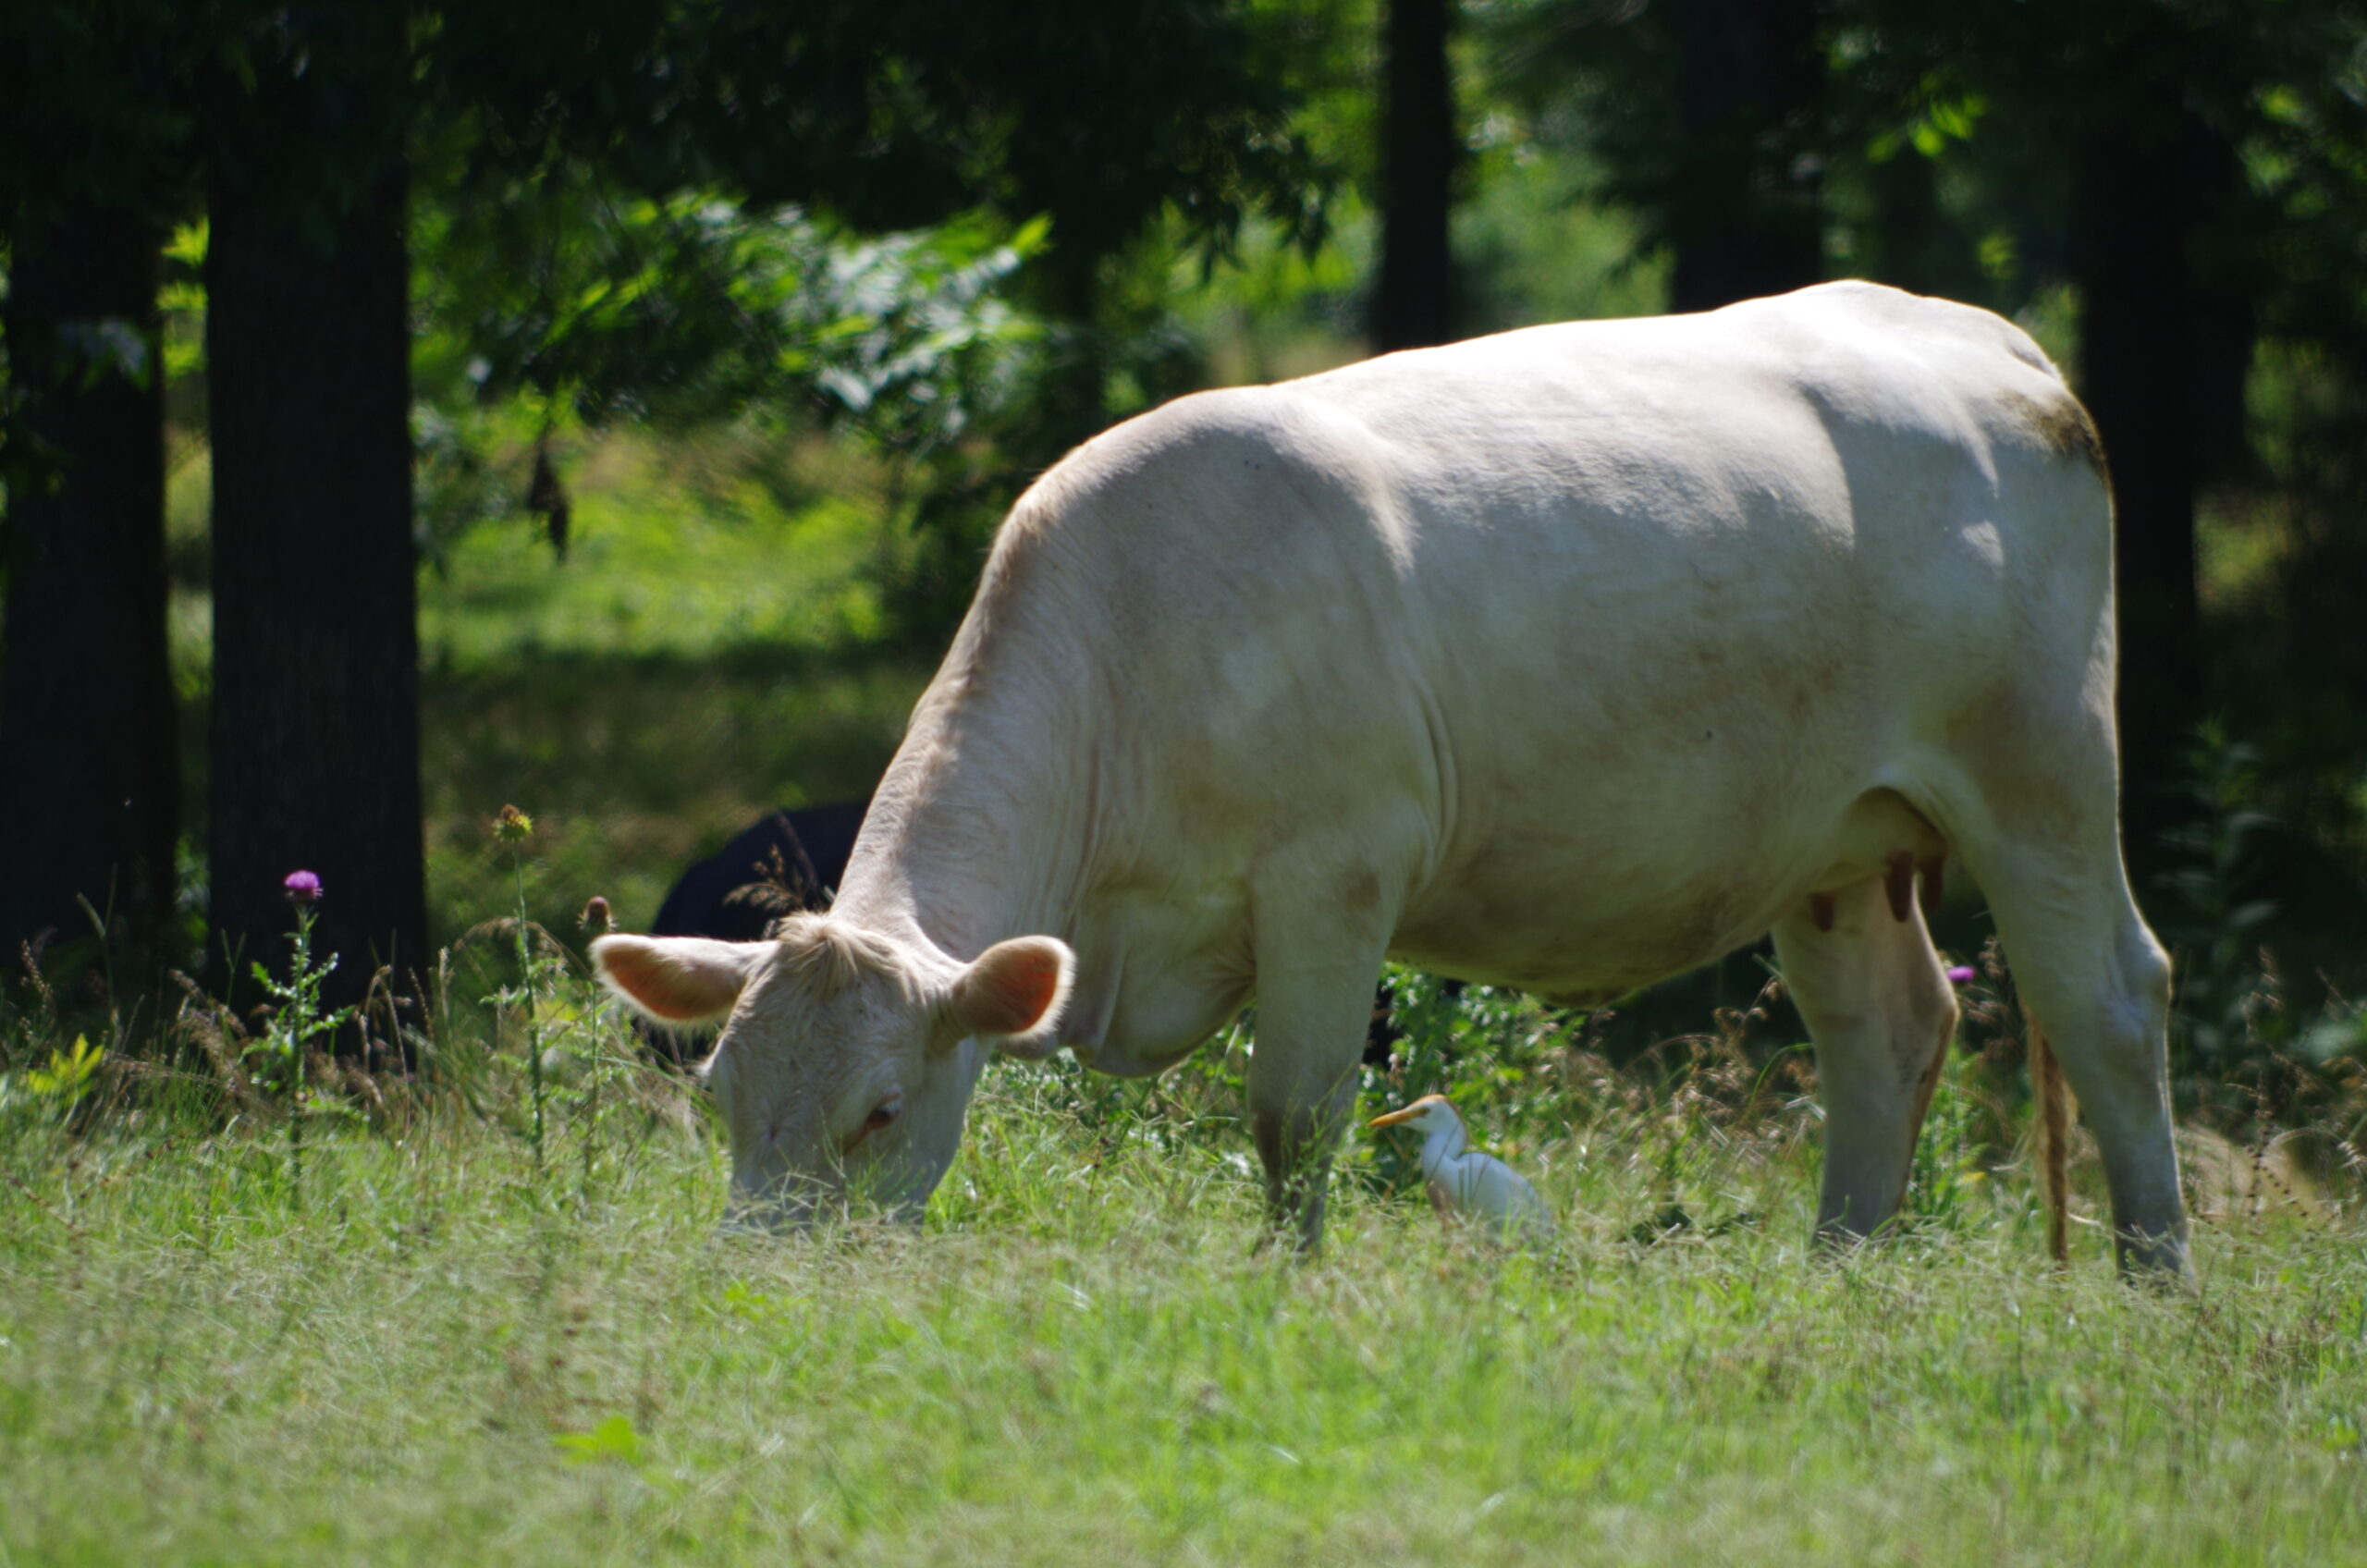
x=1567 y=659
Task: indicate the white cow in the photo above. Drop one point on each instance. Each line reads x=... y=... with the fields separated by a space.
x=1566 y=659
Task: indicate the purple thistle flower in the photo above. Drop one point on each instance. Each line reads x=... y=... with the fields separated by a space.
x=1960 y=975
x=301 y=888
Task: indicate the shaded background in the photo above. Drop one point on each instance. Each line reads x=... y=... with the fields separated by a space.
x=603 y=407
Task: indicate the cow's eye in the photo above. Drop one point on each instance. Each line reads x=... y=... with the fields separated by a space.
x=883 y=1113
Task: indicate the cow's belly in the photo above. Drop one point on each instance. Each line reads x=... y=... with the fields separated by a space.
x=1562 y=938
x=1602 y=913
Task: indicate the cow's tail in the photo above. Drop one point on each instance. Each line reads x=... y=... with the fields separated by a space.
x=2053 y=1140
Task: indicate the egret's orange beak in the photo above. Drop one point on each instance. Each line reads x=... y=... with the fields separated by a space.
x=1395 y=1117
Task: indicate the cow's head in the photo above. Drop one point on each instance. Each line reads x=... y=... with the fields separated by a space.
x=847 y=1059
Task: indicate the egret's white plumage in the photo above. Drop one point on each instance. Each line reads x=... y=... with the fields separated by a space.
x=1465 y=1183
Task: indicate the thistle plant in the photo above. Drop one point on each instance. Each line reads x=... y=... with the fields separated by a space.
x=296 y=1019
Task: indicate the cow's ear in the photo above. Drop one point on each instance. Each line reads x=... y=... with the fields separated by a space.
x=1011 y=995
x=676 y=980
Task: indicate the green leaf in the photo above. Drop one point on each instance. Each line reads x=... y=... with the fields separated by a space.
x=69 y=1075
x=613 y=1440
x=187 y=244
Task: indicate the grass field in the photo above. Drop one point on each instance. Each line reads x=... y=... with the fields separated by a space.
x=445 y=1354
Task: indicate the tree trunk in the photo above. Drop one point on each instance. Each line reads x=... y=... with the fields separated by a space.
x=1743 y=212
x=89 y=787
x=1414 y=305
x=2164 y=342
x=315 y=740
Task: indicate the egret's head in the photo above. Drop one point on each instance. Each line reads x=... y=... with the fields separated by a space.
x=1427 y=1115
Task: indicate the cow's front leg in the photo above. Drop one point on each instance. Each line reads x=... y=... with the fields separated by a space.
x=1297 y=1121
x=1314 y=1002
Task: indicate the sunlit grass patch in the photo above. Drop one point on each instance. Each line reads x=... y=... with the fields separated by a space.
x=635 y=766
x=680 y=546
x=1084 y=1355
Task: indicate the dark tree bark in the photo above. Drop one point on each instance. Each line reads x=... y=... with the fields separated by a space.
x=89 y=784
x=1743 y=214
x=315 y=738
x=2164 y=342
x=1414 y=305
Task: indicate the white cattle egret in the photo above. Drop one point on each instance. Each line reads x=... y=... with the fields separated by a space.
x=1465 y=1183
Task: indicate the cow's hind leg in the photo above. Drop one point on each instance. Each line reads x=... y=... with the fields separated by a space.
x=2097 y=986
x=2035 y=814
x=1881 y=1012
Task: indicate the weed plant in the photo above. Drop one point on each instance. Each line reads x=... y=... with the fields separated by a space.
x=296 y=1019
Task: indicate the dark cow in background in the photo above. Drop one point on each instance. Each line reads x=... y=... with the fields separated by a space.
x=783 y=862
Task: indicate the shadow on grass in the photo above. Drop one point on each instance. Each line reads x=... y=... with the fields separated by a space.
x=634 y=765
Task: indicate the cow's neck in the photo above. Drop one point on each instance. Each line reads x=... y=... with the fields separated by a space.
x=981 y=829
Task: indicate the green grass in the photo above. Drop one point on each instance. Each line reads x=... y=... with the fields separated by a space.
x=1082 y=1358
x=682 y=545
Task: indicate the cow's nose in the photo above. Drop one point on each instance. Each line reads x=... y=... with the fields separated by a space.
x=778 y=1203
